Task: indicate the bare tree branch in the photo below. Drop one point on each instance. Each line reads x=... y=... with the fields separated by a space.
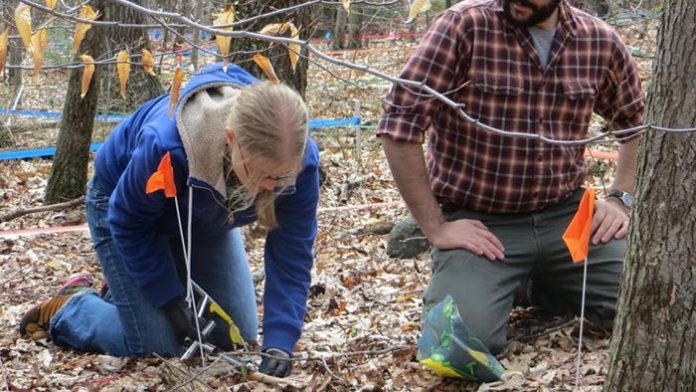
x=51 y=207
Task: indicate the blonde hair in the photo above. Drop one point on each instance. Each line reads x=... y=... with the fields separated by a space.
x=270 y=121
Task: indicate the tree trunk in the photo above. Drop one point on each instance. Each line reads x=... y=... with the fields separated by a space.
x=69 y=170
x=654 y=338
x=355 y=26
x=15 y=52
x=340 y=28
x=244 y=49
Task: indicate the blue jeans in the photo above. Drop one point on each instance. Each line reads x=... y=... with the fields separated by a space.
x=124 y=323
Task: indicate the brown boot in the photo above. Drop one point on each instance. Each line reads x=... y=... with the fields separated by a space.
x=39 y=317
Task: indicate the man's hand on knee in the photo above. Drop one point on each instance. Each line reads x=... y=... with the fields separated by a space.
x=468 y=234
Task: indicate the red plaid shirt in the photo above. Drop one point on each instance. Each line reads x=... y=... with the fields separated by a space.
x=476 y=57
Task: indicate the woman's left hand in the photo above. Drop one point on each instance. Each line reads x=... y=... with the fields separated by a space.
x=277 y=363
x=610 y=221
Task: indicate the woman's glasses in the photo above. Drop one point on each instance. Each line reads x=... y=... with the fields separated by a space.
x=285 y=183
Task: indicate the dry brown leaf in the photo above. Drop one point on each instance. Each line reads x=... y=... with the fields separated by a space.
x=4 y=39
x=23 y=23
x=417 y=7
x=223 y=18
x=38 y=43
x=86 y=12
x=176 y=89
x=51 y=4
x=265 y=64
x=294 y=49
x=275 y=28
x=148 y=62
x=87 y=73
x=123 y=69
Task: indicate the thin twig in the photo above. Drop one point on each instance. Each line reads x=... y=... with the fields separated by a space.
x=184 y=373
x=334 y=375
x=195 y=375
x=51 y=207
x=547 y=331
x=4 y=375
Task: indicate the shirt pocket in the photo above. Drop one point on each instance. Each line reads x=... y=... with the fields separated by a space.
x=579 y=90
x=578 y=104
x=495 y=100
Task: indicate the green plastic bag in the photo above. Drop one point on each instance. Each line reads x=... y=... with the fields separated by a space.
x=448 y=348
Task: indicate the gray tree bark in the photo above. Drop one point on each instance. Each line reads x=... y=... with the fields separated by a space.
x=654 y=336
x=355 y=26
x=340 y=28
x=243 y=49
x=69 y=170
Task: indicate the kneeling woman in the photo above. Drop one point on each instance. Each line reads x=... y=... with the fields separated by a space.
x=239 y=152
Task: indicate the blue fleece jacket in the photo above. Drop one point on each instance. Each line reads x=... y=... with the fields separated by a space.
x=132 y=153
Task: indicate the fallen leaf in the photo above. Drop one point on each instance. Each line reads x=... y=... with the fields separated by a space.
x=87 y=73
x=224 y=18
x=176 y=88
x=123 y=69
x=148 y=62
x=417 y=7
x=86 y=12
x=23 y=22
x=51 y=4
x=4 y=38
x=274 y=28
x=346 y=6
x=38 y=43
x=265 y=64
x=294 y=49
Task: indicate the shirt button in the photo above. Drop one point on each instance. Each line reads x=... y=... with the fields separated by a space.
x=540 y=157
x=535 y=194
x=541 y=120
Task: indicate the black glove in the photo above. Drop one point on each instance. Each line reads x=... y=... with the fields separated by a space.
x=181 y=317
x=279 y=365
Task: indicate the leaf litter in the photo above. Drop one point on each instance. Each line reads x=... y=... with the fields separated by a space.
x=364 y=308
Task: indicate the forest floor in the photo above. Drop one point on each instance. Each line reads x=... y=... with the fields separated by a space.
x=364 y=311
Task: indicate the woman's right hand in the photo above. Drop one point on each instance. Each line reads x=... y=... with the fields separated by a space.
x=181 y=317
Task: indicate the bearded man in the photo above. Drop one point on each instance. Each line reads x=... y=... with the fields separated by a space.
x=494 y=207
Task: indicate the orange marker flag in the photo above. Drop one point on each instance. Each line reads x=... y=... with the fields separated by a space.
x=163 y=178
x=577 y=235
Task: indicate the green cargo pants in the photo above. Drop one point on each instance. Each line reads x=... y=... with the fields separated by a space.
x=483 y=290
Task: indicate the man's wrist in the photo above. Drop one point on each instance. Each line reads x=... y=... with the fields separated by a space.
x=622 y=198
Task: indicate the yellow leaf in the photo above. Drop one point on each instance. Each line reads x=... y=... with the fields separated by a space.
x=148 y=62
x=223 y=18
x=86 y=12
x=294 y=49
x=417 y=7
x=265 y=64
x=38 y=44
x=275 y=28
x=23 y=23
x=176 y=88
x=87 y=73
x=123 y=69
x=346 y=6
x=51 y=4
x=4 y=38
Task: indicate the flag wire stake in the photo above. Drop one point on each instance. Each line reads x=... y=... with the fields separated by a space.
x=582 y=320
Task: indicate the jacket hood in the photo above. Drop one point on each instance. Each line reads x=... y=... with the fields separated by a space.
x=201 y=114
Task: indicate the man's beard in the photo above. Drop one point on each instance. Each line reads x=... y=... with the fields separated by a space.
x=539 y=14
